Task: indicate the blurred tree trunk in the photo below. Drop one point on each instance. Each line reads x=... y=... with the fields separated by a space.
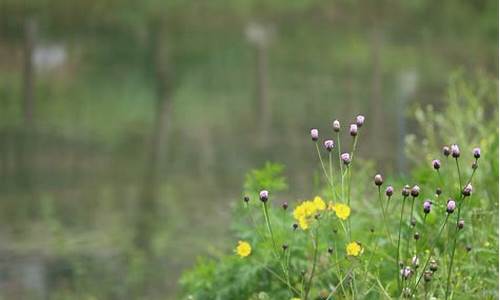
x=376 y=103
x=264 y=105
x=147 y=213
x=28 y=72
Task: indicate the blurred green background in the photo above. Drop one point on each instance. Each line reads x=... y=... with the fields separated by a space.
x=127 y=127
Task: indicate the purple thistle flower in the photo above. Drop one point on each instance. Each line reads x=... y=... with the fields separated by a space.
x=436 y=164
x=450 y=207
x=455 y=151
x=427 y=206
x=415 y=191
x=406 y=272
x=415 y=261
x=314 y=134
x=329 y=145
x=461 y=224
x=446 y=151
x=360 y=120
x=346 y=158
x=467 y=190
x=406 y=191
x=336 y=125
x=353 y=129
x=378 y=180
x=389 y=191
x=264 y=196
x=476 y=152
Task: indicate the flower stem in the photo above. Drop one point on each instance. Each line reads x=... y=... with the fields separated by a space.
x=315 y=260
x=399 y=242
x=383 y=215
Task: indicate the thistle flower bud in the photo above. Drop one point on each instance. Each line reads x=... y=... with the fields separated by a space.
x=378 y=180
x=446 y=151
x=455 y=151
x=295 y=226
x=389 y=191
x=346 y=158
x=450 y=207
x=360 y=120
x=476 y=152
x=314 y=134
x=427 y=206
x=461 y=224
x=406 y=191
x=285 y=247
x=415 y=261
x=468 y=248
x=406 y=272
x=407 y=292
x=436 y=164
x=329 y=145
x=416 y=236
x=413 y=222
x=433 y=265
x=330 y=250
x=264 y=196
x=415 y=191
x=467 y=190
x=336 y=126
x=353 y=129
x=284 y=205
x=438 y=191
x=246 y=199
x=428 y=276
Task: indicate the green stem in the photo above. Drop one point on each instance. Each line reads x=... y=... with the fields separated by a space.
x=340 y=167
x=411 y=231
x=383 y=215
x=315 y=260
x=399 y=242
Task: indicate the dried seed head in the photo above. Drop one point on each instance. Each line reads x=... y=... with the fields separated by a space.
x=476 y=152
x=468 y=248
x=438 y=191
x=413 y=222
x=406 y=191
x=416 y=236
x=415 y=191
x=450 y=207
x=461 y=224
x=455 y=151
x=428 y=276
x=314 y=134
x=427 y=206
x=246 y=199
x=467 y=190
x=336 y=126
x=446 y=151
x=330 y=250
x=389 y=191
x=436 y=164
x=353 y=129
x=378 y=180
x=433 y=265
x=264 y=196
x=346 y=158
x=329 y=145
x=360 y=120
x=295 y=226
x=285 y=247
x=284 y=205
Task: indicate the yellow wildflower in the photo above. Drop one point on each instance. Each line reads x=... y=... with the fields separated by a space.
x=243 y=249
x=353 y=249
x=306 y=210
x=342 y=211
x=319 y=203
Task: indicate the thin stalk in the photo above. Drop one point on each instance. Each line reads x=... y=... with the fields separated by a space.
x=340 y=166
x=399 y=242
x=322 y=164
x=411 y=231
x=430 y=251
x=383 y=215
x=315 y=260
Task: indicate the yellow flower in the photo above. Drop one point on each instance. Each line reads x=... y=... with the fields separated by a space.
x=303 y=223
x=319 y=203
x=353 y=249
x=243 y=249
x=342 y=211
